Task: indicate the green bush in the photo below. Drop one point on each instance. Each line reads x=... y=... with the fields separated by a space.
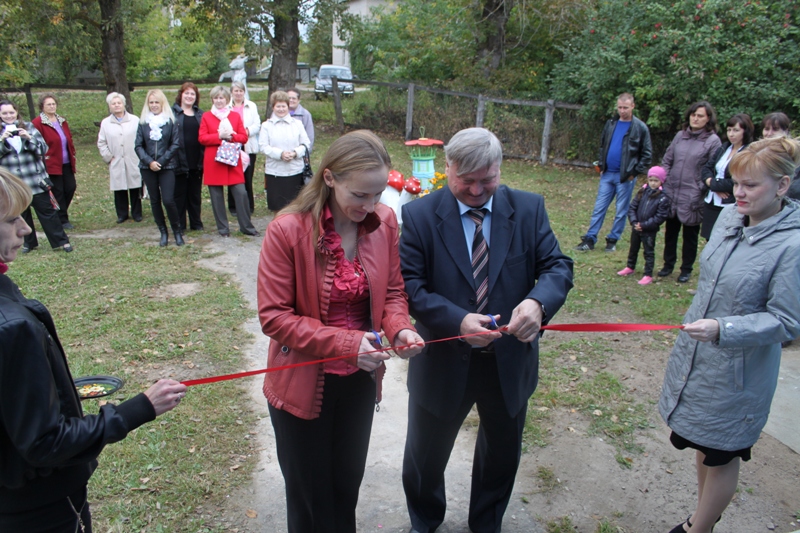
x=740 y=56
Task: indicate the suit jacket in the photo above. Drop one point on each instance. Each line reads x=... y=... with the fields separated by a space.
x=525 y=261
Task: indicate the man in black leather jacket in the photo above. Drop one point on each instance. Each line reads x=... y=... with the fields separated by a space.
x=625 y=152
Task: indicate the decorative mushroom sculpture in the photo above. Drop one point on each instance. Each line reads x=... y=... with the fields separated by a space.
x=423 y=154
x=413 y=185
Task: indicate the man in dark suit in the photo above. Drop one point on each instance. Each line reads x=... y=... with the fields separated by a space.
x=447 y=239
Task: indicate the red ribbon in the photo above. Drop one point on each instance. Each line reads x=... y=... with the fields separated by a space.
x=589 y=327
x=608 y=327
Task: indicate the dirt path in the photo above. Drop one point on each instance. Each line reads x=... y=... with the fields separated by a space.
x=652 y=496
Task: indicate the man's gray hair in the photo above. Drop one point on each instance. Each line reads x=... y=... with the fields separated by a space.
x=473 y=149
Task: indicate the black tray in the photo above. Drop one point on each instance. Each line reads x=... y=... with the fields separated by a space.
x=110 y=385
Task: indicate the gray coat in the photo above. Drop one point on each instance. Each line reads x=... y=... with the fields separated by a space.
x=718 y=394
x=684 y=161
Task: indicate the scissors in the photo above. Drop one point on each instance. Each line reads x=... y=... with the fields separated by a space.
x=493 y=326
x=377 y=342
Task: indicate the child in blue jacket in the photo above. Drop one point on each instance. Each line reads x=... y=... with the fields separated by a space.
x=647 y=212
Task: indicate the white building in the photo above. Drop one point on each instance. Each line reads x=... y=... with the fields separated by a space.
x=362 y=8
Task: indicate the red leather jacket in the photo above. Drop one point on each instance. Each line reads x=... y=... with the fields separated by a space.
x=52 y=159
x=294 y=289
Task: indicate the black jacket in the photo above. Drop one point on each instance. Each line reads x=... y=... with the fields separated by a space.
x=180 y=117
x=48 y=448
x=710 y=171
x=637 y=150
x=165 y=150
x=650 y=209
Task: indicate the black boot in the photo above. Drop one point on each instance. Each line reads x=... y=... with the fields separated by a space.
x=178 y=237
x=164 y=237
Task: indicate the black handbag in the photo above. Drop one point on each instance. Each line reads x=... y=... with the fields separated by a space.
x=307 y=172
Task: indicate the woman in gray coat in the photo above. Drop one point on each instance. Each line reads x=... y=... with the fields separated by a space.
x=723 y=370
x=685 y=158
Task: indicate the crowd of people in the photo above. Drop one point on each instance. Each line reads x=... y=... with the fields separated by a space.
x=160 y=155
x=477 y=263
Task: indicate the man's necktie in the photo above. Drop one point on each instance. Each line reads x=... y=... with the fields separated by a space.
x=480 y=259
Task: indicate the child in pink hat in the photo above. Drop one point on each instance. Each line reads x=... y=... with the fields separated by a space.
x=648 y=210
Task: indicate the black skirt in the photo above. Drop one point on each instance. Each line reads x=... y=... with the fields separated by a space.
x=281 y=190
x=713 y=457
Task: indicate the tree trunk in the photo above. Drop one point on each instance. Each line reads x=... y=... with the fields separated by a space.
x=113 y=50
x=286 y=42
x=492 y=40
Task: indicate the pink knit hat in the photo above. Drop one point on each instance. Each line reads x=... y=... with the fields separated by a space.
x=657 y=172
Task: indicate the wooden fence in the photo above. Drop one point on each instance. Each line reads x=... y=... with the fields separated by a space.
x=27 y=89
x=549 y=105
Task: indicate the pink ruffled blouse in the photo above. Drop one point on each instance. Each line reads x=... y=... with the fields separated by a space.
x=349 y=305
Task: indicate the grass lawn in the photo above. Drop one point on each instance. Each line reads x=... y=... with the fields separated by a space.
x=170 y=475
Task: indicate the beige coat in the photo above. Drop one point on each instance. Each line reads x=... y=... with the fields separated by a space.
x=116 y=144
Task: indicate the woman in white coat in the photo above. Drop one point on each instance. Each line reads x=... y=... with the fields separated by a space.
x=252 y=123
x=284 y=141
x=116 y=144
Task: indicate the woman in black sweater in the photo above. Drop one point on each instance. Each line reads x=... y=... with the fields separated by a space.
x=717 y=177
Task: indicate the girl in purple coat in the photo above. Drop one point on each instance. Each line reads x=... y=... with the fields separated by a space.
x=647 y=212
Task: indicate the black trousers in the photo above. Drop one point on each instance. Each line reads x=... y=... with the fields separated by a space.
x=121 y=202
x=710 y=215
x=64 y=187
x=189 y=198
x=161 y=187
x=323 y=460
x=429 y=443
x=68 y=515
x=648 y=242
x=48 y=217
x=690 y=238
x=248 y=185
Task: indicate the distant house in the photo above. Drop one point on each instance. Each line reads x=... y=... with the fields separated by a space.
x=341 y=56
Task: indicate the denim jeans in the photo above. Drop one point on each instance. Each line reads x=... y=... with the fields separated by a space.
x=610 y=187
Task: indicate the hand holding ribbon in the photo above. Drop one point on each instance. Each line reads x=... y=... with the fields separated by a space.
x=407 y=343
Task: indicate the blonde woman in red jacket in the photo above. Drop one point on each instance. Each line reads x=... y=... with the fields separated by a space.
x=329 y=274
x=60 y=156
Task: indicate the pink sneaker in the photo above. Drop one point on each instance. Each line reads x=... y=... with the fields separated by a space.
x=625 y=272
x=647 y=280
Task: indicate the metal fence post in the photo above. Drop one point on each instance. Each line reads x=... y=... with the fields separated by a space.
x=481 y=111
x=410 y=112
x=548 y=125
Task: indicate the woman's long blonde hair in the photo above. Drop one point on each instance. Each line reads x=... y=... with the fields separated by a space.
x=357 y=151
x=166 y=109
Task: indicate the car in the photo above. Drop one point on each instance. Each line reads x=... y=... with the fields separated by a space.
x=323 y=86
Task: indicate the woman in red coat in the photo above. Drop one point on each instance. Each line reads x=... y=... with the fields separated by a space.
x=217 y=126
x=60 y=156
